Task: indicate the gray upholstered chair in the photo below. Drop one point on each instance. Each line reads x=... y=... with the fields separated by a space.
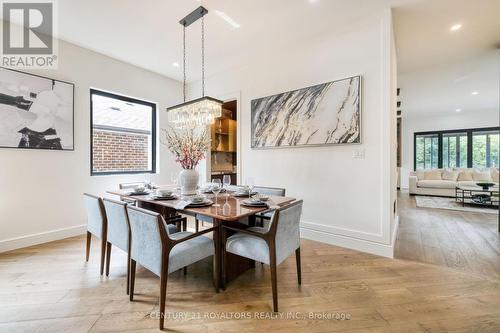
x=119 y=231
x=271 y=245
x=154 y=247
x=126 y=186
x=96 y=224
x=262 y=219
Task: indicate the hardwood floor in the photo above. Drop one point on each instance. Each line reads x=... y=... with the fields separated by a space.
x=50 y=288
x=466 y=241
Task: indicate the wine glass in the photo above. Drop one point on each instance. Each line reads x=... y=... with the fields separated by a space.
x=216 y=187
x=173 y=178
x=251 y=185
x=226 y=180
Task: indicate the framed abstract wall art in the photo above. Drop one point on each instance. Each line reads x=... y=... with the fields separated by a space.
x=35 y=112
x=324 y=114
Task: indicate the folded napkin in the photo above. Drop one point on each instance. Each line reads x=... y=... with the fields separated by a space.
x=182 y=204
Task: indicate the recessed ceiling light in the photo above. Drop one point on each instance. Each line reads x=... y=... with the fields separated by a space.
x=175 y=64
x=475 y=92
x=456 y=27
x=313 y=1
x=228 y=19
x=458 y=110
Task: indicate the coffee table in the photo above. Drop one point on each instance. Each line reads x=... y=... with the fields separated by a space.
x=464 y=194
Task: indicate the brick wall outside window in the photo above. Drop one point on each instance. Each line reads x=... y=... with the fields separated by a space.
x=119 y=151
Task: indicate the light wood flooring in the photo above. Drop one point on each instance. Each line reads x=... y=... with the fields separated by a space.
x=465 y=241
x=50 y=288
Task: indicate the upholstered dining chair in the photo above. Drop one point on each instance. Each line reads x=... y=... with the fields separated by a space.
x=271 y=245
x=127 y=186
x=154 y=247
x=263 y=218
x=96 y=224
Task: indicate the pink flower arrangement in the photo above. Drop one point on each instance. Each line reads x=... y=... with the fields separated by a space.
x=189 y=147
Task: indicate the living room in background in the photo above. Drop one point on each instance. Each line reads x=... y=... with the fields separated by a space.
x=123 y=134
x=464 y=148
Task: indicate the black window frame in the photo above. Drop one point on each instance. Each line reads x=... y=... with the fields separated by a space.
x=153 y=133
x=469 y=131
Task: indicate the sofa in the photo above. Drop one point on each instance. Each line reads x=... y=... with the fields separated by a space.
x=442 y=182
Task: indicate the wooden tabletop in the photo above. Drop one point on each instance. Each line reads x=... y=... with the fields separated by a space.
x=232 y=211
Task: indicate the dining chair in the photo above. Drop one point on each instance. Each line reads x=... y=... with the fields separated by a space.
x=262 y=218
x=271 y=245
x=153 y=246
x=96 y=224
x=126 y=186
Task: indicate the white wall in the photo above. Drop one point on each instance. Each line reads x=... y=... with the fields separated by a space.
x=347 y=201
x=41 y=195
x=414 y=124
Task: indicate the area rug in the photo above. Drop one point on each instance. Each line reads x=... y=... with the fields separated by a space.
x=450 y=204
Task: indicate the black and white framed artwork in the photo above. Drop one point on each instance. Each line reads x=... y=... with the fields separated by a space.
x=35 y=112
x=324 y=114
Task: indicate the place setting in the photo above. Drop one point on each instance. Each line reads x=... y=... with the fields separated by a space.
x=194 y=201
x=140 y=190
x=163 y=194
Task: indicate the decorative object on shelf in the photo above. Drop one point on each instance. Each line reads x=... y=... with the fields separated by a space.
x=202 y=111
x=485 y=186
x=325 y=114
x=35 y=112
x=189 y=149
x=481 y=198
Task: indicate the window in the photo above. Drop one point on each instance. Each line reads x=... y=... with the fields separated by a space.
x=123 y=134
x=427 y=151
x=485 y=149
x=467 y=148
x=454 y=150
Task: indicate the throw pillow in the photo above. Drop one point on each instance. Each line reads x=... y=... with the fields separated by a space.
x=495 y=175
x=481 y=176
x=432 y=175
x=449 y=174
x=465 y=175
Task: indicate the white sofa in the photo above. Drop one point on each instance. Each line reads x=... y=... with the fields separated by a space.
x=442 y=182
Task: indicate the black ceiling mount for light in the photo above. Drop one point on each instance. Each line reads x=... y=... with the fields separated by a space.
x=194 y=16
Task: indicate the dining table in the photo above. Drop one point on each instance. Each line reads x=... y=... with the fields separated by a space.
x=228 y=209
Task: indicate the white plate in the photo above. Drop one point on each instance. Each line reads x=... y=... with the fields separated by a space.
x=254 y=203
x=242 y=194
x=172 y=197
x=201 y=204
x=139 y=193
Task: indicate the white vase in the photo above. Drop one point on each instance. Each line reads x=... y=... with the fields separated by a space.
x=189 y=181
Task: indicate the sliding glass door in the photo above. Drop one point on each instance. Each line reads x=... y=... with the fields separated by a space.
x=454 y=148
x=427 y=148
x=485 y=149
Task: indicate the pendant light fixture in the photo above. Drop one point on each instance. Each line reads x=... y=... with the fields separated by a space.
x=202 y=111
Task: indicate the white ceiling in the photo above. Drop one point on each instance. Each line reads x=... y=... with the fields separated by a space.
x=147 y=33
x=439 y=69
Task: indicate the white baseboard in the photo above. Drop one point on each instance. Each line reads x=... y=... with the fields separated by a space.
x=43 y=237
x=362 y=245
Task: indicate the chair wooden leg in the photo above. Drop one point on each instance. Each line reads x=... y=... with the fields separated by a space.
x=108 y=257
x=196 y=225
x=184 y=224
x=128 y=271
x=132 y=279
x=87 y=252
x=274 y=278
x=163 y=294
x=299 y=270
x=224 y=259
x=103 y=254
x=185 y=270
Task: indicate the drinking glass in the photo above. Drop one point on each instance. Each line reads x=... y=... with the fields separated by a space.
x=216 y=187
x=226 y=180
x=173 y=178
x=251 y=185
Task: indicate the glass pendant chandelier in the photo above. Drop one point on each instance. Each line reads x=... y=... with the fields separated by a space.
x=202 y=111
